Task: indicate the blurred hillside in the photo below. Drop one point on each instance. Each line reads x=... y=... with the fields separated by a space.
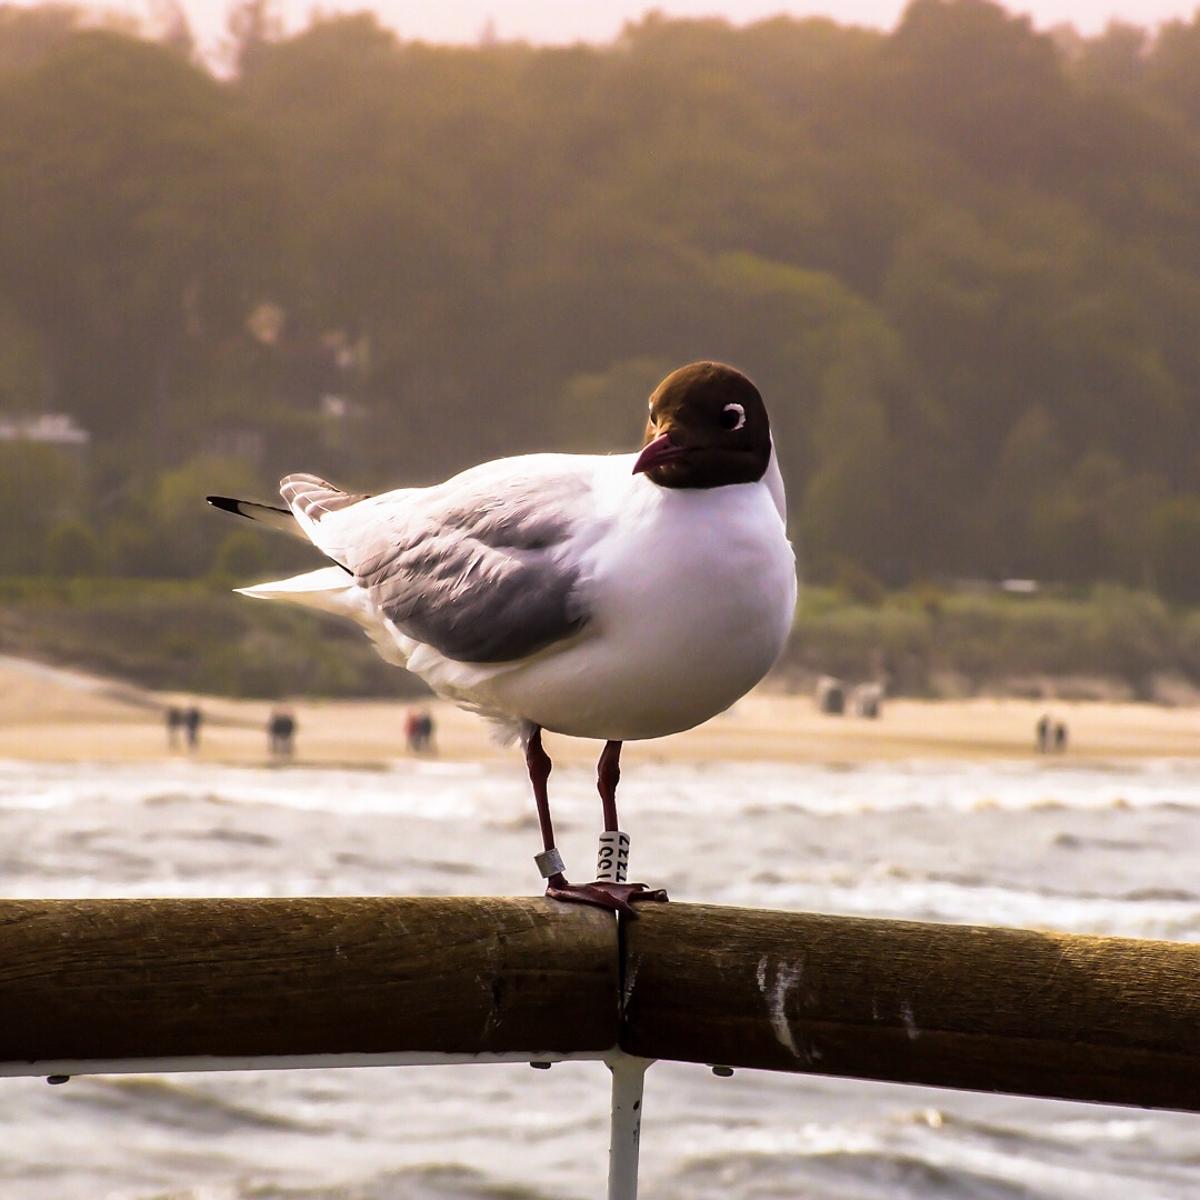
x=961 y=260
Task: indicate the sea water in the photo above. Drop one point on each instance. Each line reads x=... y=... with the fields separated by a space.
x=1053 y=845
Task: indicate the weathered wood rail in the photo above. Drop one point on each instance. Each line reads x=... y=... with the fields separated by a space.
x=287 y=980
x=103 y=985
x=1114 y=1020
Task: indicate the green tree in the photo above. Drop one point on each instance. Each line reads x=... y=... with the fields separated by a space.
x=240 y=555
x=600 y=411
x=137 y=210
x=40 y=487
x=1175 y=548
x=28 y=35
x=1173 y=67
x=980 y=81
x=184 y=534
x=1114 y=59
x=73 y=550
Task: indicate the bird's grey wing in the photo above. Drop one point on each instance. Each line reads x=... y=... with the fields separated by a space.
x=311 y=499
x=480 y=569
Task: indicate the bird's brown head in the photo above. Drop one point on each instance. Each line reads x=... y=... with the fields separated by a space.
x=708 y=427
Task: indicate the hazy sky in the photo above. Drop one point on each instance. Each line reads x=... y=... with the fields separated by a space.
x=599 y=20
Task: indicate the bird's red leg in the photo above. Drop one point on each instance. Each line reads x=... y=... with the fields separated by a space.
x=608 y=775
x=615 y=846
x=549 y=861
x=539 y=766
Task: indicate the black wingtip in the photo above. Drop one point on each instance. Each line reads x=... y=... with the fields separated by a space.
x=225 y=503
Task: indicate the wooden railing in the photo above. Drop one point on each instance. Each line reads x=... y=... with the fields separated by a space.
x=95 y=986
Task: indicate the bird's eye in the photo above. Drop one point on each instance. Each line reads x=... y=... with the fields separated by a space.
x=733 y=417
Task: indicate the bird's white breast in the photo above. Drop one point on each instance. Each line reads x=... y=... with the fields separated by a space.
x=691 y=594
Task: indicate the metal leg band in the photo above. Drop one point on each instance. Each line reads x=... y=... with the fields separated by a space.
x=549 y=862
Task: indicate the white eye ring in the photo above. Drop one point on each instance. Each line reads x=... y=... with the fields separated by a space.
x=741 y=417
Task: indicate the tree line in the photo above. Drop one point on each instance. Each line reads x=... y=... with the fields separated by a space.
x=961 y=259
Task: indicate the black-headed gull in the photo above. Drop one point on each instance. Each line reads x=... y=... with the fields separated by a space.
x=616 y=597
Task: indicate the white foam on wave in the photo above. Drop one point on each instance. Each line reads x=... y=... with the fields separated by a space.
x=1029 y=1159
x=444 y=789
x=710 y=789
x=729 y=788
x=939 y=900
x=807 y=1138
x=91 y=887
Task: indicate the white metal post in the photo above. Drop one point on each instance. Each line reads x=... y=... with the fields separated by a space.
x=628 y=1079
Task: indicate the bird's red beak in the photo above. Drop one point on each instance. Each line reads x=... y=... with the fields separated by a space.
x=656 y=453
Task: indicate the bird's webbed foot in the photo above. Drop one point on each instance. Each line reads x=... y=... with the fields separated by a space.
x=618 y=897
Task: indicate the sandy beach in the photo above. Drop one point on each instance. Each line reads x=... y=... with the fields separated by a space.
x=49 y=714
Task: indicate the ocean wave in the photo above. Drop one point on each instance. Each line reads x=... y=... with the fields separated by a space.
x=979 y=903
x=468 y=789
x=432 y=1182
x=934 y=1156
x=839 y=1175
x=175 y=1103
x=441 y=789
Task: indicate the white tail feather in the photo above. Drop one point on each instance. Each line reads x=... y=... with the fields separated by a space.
x=325 y=588
x=332 y=590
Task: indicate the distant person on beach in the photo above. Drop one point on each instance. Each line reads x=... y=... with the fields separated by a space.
x=831 y=695
x=1043 y=733
x=425 y=732
x=866 y=700
x=281 y=733
x=192 y=720
x=1060 y=737
x=418 y=731
x=174 y=724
